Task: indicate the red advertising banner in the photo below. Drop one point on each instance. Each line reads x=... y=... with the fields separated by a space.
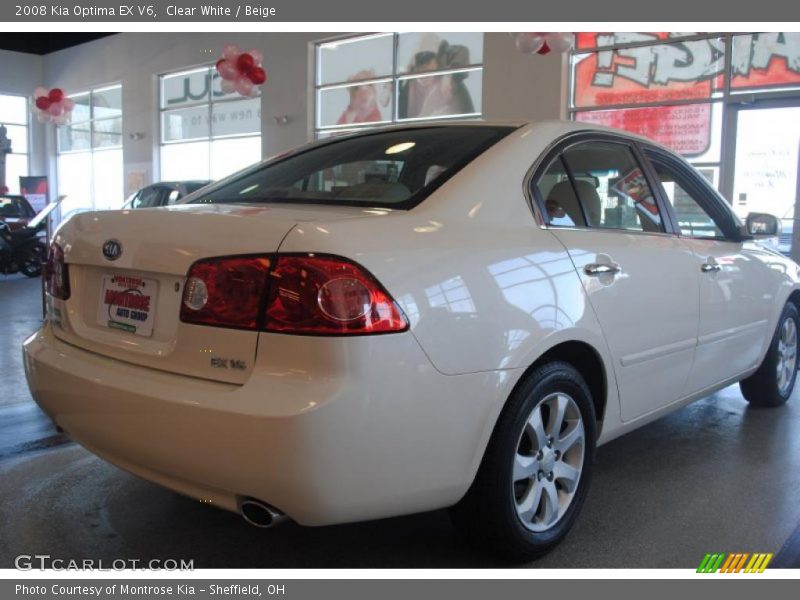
x=765 y=60
x=34 y=188
x=685 y=128
x=662 y=72
x=666 y=71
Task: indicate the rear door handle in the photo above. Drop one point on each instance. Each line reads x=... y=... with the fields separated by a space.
x=595 y=269
x=710 y=267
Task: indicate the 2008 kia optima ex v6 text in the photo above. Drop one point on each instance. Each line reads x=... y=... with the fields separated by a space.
x=411 y=318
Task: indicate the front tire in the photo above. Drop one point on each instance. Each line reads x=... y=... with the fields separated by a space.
x=536 y=471
x=773 y=383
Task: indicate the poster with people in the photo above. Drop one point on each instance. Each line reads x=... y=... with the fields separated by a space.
x=381 y=78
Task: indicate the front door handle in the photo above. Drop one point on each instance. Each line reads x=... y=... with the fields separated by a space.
x=596 y=269
x=710 y=267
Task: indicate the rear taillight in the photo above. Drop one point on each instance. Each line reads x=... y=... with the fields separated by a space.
x=328 y=295
x=226 y=292
x=57 y=273
x=301 y=294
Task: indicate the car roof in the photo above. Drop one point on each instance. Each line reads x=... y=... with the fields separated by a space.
x=182 y=182
x=561 y=127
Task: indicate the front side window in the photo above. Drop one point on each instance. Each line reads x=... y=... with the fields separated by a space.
x=599 y=185
x=390 y=169
x=693 y=219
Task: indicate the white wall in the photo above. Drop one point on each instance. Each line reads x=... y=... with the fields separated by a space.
x=136 y=60
x=521 y=86
x=516 y=86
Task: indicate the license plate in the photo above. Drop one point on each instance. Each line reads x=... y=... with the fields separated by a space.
x=127 y=303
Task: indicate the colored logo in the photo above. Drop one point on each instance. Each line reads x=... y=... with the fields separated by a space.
x=740 y=562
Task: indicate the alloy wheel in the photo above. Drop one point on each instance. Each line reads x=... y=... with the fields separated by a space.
x=548 y=461
x=787 y=354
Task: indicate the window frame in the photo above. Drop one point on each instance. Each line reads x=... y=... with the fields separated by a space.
x=210 y=105
x=28 y=139
x=92 y=120
x=537 y=203
x=396 y=77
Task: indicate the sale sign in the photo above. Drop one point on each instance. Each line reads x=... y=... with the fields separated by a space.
x=666 y=70
x=684 y=128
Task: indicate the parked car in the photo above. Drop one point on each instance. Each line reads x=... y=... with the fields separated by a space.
x=164 y=193
x=401 y=320
x=15 y=211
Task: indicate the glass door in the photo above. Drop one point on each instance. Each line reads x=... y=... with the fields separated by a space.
x=766 y=165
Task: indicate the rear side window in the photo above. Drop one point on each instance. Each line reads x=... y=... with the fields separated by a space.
x=392 y=169
x=599 y=185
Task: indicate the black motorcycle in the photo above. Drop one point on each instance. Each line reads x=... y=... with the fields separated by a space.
x=22 y=250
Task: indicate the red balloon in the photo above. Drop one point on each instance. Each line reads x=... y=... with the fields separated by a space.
x=244 y=63
x=56 y=95
x=544 y=49
x=219 y=62
x=43 y=103
x=257 y=75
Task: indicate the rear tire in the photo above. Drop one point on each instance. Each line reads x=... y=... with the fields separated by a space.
x=535 y=474
x=32 y=262
x=773 y=383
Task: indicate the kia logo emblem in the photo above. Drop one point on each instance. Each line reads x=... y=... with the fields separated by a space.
x=112 y=249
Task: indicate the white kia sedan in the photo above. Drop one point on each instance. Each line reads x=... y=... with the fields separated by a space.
x=409 y=319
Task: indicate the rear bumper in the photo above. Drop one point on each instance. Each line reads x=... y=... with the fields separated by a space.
x=361 y=428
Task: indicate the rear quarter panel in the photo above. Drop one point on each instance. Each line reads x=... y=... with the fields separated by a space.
x=483 y=286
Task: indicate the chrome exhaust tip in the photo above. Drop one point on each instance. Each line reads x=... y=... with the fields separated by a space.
x=261 y=514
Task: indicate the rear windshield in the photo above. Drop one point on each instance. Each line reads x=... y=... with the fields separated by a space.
x=14 y=208
x=193 y=186
x=388 y=169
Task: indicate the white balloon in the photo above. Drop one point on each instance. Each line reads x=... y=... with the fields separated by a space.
x=244 y=86
x=42 y=116
x=40 y=92
x=528 y=42
x=227 y=86
x=231 y=52
x=559 y=42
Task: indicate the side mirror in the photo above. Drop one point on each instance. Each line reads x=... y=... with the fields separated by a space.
x=762 y=225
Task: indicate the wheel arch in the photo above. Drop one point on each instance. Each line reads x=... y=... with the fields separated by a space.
x=794 y=298
x=590 y=364
x=587 y=361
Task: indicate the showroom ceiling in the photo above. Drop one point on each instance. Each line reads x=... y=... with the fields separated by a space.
x=45 y=43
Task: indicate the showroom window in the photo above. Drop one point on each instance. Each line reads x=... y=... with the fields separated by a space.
x=90 y=171
x=689 y=91
x=14 y=115
x=206 y=133
x=384 y=78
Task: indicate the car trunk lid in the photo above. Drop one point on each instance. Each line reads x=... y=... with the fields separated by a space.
x=128 y=306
